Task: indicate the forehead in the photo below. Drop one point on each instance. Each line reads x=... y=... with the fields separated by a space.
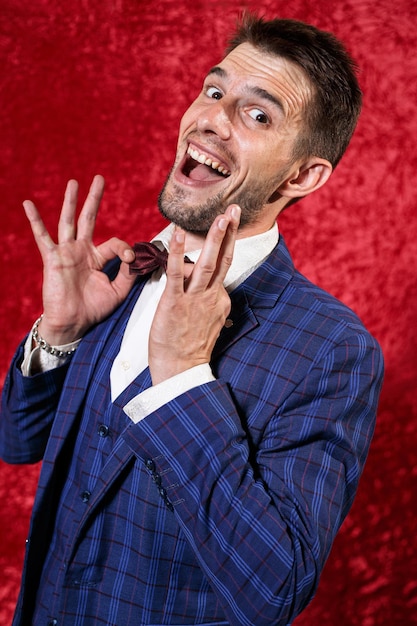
x=249 y=68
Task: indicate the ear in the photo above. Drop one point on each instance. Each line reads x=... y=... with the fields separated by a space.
x=306 y=178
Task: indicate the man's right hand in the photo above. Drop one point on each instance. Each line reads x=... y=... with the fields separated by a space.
x=76 y=293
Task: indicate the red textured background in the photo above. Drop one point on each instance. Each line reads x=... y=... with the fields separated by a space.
x=98 y=87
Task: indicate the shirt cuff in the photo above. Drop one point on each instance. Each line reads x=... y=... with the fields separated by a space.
x=37 y=361
x=154 y=397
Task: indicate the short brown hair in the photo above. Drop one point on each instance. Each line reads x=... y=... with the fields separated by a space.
x=332 y=115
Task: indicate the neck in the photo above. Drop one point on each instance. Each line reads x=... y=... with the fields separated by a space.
x=195 y=241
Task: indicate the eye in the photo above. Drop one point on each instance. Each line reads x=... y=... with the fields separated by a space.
x=259 y=116
x=213 y=92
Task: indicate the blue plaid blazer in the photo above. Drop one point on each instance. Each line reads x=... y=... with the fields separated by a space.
x=225 y=501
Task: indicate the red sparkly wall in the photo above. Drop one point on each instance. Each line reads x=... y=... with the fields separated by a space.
x=98 y=86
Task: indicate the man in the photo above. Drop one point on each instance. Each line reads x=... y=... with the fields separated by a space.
x=202 y=430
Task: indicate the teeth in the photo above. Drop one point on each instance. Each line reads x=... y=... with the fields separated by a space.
x=202 y=158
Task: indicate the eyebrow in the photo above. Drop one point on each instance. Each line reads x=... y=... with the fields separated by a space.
x=255 y=90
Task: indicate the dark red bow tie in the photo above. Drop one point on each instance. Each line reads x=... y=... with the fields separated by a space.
x=149 y=258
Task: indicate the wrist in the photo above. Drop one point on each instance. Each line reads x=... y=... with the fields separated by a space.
x=61 y=347
x=165 y=370
x=56 y=334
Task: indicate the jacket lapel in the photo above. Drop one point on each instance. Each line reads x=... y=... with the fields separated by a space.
x=79 y=376
x=261 y=290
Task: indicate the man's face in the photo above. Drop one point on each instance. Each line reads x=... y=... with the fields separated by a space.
x=236 y=140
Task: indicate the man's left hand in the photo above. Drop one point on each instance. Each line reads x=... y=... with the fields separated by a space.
x=193 y=310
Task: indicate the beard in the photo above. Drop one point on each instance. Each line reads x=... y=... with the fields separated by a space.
x=173 y=204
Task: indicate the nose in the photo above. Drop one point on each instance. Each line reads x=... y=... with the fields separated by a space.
x=216 y=119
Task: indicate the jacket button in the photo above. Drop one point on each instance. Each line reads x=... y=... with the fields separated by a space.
x=53 y=622
x=150 y=465
x=162 y=492
x=103 y=430
x=85 y=496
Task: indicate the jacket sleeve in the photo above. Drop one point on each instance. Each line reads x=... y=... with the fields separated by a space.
x=28 y=406
x=261 y=496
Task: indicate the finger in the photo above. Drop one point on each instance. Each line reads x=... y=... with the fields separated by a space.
x=225 y=256
x=66 y=224
x=208 y=264
x=117 y=248
x=41 y=235
x=88 y=214
x=175 y=264
x=113 y=248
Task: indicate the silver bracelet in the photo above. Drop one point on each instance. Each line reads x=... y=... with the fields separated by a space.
x=41 y=343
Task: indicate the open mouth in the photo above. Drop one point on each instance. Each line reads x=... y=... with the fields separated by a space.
x=203 y=167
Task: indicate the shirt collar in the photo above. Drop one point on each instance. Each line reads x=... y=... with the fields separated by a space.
x=249 y=253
